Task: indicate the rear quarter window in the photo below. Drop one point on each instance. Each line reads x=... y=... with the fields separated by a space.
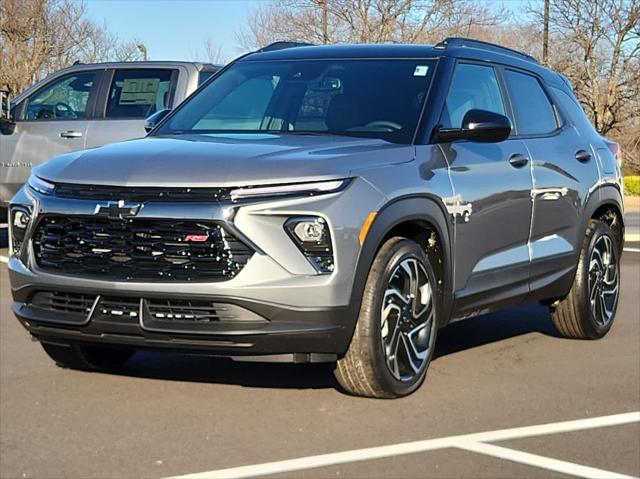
x=532 y=108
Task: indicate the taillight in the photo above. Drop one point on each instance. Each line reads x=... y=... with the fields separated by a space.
x=616 y=150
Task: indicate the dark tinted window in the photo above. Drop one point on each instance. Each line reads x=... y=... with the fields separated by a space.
x=367 y=98
x=531 y=107
x=204 y=75
x=64 y=99
x=571 y=108
x=139 y=93
x=473 y=87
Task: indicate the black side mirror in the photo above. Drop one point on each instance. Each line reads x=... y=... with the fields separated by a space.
x=478 y=125
x=7 y=127
x=151 y=122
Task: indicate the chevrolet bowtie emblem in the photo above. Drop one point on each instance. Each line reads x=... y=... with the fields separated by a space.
x=117 y=210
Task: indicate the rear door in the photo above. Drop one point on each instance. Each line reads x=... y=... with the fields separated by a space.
x=491 y=202
x=563 y=171
x=51 y=121
x=128 y=97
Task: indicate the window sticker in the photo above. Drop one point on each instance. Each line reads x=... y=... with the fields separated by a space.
x=139 y=91
x=421 y=71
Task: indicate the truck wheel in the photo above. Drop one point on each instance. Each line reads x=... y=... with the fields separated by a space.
x=87 y=358
x=590 y=307
x=395 y=334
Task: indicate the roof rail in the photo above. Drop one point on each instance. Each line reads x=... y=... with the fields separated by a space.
x=282 y=45
x=469 y=42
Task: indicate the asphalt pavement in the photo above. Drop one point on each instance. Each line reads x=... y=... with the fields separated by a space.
x=169 y=415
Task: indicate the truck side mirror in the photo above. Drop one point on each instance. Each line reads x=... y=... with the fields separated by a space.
x=151 y=122
x=7 y=125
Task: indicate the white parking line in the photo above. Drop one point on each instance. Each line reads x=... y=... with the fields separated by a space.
x=462 y=441
x=542 y=462
x=632 y=250
x=4 y=259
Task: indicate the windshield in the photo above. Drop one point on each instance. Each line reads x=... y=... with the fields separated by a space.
x=369 y=98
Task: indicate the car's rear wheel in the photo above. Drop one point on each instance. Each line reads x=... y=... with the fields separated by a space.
x=395 y=334
x=589 y=309
x=87 y=358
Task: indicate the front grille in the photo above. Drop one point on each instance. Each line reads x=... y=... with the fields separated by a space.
x=119 y=307
x=187 y=310
x=69 y=303
x=117 y=193
x=138 y=249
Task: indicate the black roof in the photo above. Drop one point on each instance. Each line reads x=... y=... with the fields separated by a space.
x=451 y=47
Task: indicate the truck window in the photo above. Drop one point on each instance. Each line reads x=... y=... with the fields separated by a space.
x=139 y=93
x=63 y=99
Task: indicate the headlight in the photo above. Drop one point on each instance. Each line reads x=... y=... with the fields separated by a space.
x=312 y=237
x=297 y=189
x=40 y=185
x=19 y=222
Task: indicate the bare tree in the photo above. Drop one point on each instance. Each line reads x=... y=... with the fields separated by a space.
x=365 y=21
x=210 y=52
x=597 y=46
x=41 y=36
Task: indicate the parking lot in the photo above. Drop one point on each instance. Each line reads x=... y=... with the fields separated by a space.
x=494 y=377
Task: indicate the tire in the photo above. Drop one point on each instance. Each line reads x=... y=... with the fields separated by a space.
x=87 y=358
x=369 y=368
x=577 y=316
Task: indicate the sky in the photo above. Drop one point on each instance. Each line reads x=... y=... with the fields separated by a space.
x=175 y=29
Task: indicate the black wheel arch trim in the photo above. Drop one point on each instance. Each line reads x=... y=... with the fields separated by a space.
x=607 y=194
x=394 y=213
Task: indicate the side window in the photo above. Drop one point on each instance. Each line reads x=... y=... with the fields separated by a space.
x=532 y=109
x=138 y=93
x=473 y=87
x=64 y=99
x=204 y=75
x=571 y=108
x=243 y=108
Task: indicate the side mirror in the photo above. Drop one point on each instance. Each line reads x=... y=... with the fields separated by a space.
x=151 y=122
x=478 y=125
x=7 y=125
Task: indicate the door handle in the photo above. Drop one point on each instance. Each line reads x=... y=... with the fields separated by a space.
x=518 y=160
x=583 y=156
x=71 y=134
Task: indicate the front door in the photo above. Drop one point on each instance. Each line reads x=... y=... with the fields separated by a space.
x=491 y=204
x=52 y=121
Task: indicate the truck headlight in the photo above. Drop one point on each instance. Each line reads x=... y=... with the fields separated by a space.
x=312 y=237
x=19 y=222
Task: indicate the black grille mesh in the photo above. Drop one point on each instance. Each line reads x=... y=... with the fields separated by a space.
x=138 y=249
x=98 y=192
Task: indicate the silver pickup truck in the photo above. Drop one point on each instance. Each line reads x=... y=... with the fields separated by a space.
x=85 y=106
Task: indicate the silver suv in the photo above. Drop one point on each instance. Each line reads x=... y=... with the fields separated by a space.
x=85 y=106
x=327 y=204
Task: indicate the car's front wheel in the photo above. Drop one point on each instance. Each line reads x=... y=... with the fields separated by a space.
x=395 y=334
x=87 y=358
x=590 y=307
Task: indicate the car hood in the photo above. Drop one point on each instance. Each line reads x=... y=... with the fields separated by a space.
x=216 y=160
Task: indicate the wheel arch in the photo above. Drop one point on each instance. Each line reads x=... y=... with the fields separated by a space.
x=606 y=204
x=412 y=217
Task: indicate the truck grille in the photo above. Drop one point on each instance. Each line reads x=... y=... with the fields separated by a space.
x=138 y=249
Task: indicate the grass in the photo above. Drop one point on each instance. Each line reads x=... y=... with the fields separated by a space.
x=632 y=185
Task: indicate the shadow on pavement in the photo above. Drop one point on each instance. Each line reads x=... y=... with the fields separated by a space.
x=455 y=338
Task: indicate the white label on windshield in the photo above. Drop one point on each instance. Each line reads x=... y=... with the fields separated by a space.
x=421 y=71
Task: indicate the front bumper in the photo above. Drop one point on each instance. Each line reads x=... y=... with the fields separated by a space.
x=300 y=312
x=255 y=331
